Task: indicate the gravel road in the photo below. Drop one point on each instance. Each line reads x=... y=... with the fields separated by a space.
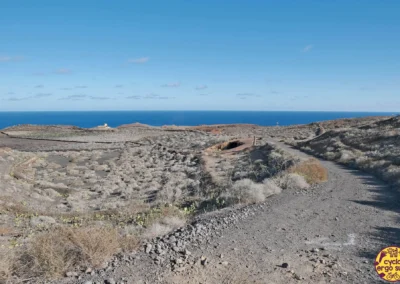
x=329 y=234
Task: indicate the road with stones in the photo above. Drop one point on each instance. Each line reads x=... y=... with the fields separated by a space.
x=328 y=234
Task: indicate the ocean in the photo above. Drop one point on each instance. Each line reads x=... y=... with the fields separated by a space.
x=188 y=118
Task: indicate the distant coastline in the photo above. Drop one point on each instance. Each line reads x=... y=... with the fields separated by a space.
x=88 y=119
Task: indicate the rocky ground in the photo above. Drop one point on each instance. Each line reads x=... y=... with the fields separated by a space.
x=327 y=234
x=146 y=181
x=372 y=147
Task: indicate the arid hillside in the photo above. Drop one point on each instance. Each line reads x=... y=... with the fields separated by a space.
x=72 y=198
x=373 y=147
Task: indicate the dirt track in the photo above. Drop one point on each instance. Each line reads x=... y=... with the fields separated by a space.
x=327 y=235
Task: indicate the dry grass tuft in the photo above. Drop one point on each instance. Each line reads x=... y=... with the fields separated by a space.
x=246 y=191
x=164 y=221
x=129 y=243
x=53 y=253
x=311 y=170
x=291 y=181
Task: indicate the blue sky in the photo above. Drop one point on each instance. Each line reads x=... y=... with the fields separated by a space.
x=200 y=55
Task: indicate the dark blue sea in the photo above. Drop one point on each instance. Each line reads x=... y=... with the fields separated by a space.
x=159 y=118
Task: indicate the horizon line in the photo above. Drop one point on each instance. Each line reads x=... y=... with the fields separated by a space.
x=155 y=110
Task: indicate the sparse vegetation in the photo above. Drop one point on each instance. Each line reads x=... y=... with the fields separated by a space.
x=6 y=262
x=312 y=171
x=373 y=147
x=246 y=191
x=52 y=253
x=77 y=208
x=291 y=181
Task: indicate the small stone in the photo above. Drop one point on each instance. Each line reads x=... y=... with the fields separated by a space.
x=225 y=263
x=42 y=221
x=180 y=269
x=148 y=248
x=88 y=270
x=221 y=256
x=315 y=250
x=110 y=281
x=178 y=261
x=203 y=260
x=366 y=261
x=322 y=261
x=71 y=274
x=285 y=265
x=88 y=282
x=337 y=218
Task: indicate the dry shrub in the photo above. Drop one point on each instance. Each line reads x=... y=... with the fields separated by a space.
x=291 y=181
x=51 y=254
x=164 y=226
x=246 y=191
x=311 y=170
x=129 y=243
x=161 y=213
x=8 y=204
x=96 y=244
x=6 y=258
x=156 y=230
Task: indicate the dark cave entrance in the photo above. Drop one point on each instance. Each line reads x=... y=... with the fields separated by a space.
x=231 y=145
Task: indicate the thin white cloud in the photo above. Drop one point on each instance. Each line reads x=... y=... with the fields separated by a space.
x=36 y=96
x=275 y=92
x=100 y=98
x=14 y=99
x=151 y=96
x=75 y=97
x=247 y=95
x=201 y=87
x=42 y=95
x=140 y=60
x=39 y=86
x=308 y=48
x=11 y=58
x=62 y=71
x=134 y=97
x=171 y=85
x=244 y=96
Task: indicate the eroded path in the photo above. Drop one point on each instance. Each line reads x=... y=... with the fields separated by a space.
x=330 y=234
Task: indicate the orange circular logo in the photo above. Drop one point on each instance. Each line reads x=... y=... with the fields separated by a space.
x=387 y=264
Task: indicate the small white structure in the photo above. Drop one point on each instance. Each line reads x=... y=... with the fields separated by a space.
x=103 y=127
